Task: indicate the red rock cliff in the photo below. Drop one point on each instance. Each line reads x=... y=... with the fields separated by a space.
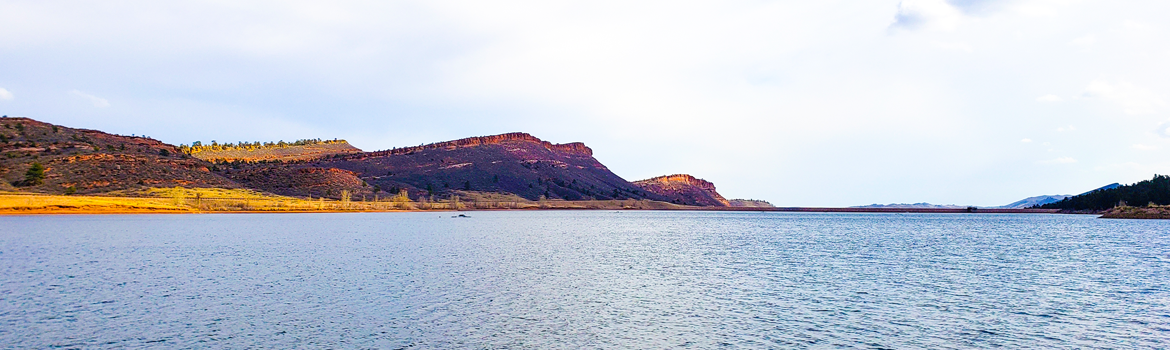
x=684 y=189
x=572 y=147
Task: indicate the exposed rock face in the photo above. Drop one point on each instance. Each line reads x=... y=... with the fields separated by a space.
x=515 y=163
x=90 y=161
x=572 y=147
x=684 y=189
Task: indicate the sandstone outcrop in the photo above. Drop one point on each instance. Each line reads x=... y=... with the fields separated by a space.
x=684 y=189
x=572 y=147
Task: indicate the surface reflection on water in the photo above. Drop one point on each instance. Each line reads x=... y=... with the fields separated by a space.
x=584 y=279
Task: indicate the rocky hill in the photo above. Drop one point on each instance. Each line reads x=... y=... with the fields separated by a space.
x=684 y=189
x=90 y=161
x=516 y=163
x=45 y=158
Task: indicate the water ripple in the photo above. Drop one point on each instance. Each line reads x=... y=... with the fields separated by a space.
x=584 y=280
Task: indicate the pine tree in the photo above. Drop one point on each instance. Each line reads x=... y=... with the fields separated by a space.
x=35 y=174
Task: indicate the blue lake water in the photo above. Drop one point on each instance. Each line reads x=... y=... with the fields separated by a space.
x=584 y=279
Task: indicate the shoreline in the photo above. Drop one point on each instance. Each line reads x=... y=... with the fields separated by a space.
x=38 y=204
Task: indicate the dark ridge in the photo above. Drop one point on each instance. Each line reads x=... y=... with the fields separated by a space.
x=1156 y=191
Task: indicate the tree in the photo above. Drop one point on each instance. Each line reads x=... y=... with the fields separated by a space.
x=35 y=174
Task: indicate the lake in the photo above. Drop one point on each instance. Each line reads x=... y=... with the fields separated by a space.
x=584 y=279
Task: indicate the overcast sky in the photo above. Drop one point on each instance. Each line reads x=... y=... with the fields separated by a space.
x=802 y=103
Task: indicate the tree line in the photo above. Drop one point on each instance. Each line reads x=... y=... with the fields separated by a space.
x=198 y=146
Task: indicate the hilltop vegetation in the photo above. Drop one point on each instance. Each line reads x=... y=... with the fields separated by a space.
x=1155 y=191
x=749 y=203
x=268 y=151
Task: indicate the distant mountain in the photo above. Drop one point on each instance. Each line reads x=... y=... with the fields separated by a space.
x=912 y=206
x=1156 y=191
x=1106 y=187
x=749 y=203
x=91 y=161
x=1034 y=201
x=684 y=189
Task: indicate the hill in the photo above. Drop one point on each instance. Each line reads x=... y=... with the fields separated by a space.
x=1155 y=191
x=912 y=206
x=515 y=163
x=1034 y=201
x=749 y=203
x=684 y=189
x=44 y=158
x=90 y=161
x=269 y=151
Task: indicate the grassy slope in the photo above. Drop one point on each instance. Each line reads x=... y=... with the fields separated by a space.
x=287 y=153
x=1149 y=212
x=197 y=200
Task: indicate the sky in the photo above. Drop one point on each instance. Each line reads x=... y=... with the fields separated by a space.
x=801 y=103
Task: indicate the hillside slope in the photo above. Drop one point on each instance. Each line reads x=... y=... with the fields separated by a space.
x=90 y=161
x=684 y=189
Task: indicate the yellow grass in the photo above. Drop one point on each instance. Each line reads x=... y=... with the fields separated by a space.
x=204 y=200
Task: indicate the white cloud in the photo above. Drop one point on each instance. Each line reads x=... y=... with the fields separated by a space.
x=1049 y=98
x=1133 y=99
x=651 y=86
x=928 y=14
x=1060 y=160
x=1144 y=147
x=5 y=94
x=1163 y=129
x=1066 y=128
x=1026 y=140
x=97 y=101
